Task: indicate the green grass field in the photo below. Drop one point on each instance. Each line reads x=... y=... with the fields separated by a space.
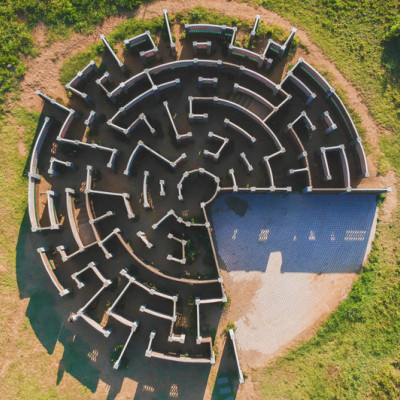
x=356 y=354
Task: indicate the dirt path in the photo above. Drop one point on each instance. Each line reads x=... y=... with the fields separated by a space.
x=44 y=71
x=43 y=74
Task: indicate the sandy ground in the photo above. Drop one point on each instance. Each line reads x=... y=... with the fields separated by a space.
x=43 y=74
x=275 y=311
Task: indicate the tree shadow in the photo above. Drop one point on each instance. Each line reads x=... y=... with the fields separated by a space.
x=390 y=60
x=45 y=318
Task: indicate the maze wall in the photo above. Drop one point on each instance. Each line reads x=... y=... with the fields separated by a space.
x=121 y=180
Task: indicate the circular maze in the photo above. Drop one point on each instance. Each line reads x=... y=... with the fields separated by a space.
x=124 y=179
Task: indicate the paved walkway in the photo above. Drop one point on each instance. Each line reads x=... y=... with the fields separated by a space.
x=290 y=259
x=313 y=233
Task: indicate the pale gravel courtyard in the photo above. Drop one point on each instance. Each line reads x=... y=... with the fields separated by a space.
x=290 y=260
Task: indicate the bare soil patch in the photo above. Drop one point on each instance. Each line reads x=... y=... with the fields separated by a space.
x=22 y=150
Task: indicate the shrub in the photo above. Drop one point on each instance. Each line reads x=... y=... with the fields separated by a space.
x=115 y=355
x=231 y=325
x=393 y=30
x=380 y=198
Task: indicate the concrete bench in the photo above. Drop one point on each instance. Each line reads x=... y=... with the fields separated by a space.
x=204 y=46
x=246 y=162
x=260 y=99
x=140 y=145
x=146 y=203
x=327 y=121
x=171 y=42
x=162 y=188
x=80 y=77
x=55 y=161
x=248 y=55
x=267 y=164
x=301 y=86
x=49 y=267
x=220 y=31
x=183 y=243
x=314 y=75
x=213 y=136
x=196 y=117
x=90 y=120
x=201 y=82
x=238 y=129
x=352 y=130
x=90 y=190
x=255 y=26
x=142 y=236
x=343 y=159
x=143 y=38
x=240 y=373
x=133 y=330
x=178 y=137
x=111 y=51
